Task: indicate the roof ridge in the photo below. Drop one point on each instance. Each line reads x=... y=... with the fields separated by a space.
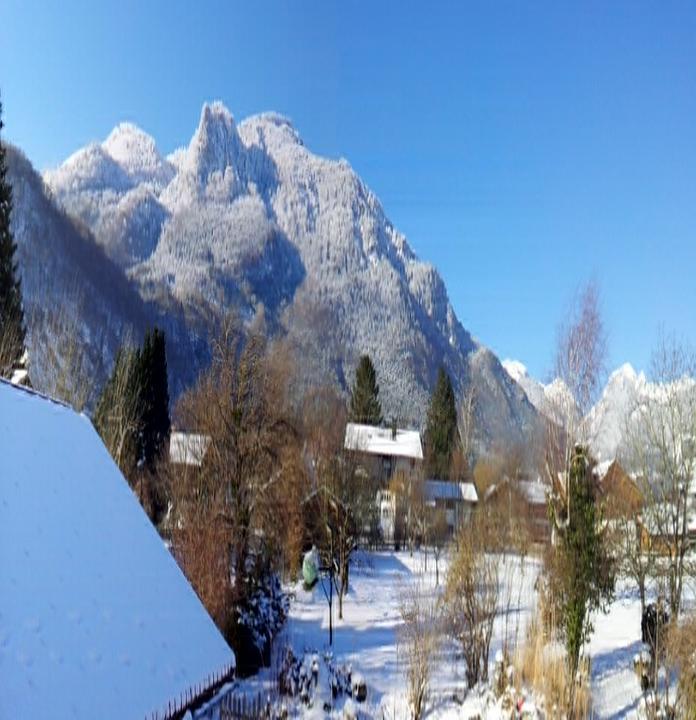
x=36 y=393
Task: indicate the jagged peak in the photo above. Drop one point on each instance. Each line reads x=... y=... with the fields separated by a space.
x=272 y=118
x=91 y=167
x=215 y=145
x=216 y=112
x=515 y=369
x=625 y=372
x=177 y=157
x=92 y=152
x=280 y=127
x=136 y=152
x=126 y=133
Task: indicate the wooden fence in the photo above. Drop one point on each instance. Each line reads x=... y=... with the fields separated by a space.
x=195 y=696
x=243 y=707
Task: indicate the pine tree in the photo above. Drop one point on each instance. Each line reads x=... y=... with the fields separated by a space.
x=12 y=333
x=155 y=396
x=365 y=407
x=441 y=428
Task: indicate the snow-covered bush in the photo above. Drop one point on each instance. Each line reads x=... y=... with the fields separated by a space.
x=265 y=611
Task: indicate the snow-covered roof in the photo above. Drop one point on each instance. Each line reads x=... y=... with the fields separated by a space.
x=381 y=441
x=187 y=448
x=96 y=618
x=534 y=492
x=445 y=490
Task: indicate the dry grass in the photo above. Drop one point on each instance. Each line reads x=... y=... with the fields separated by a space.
x=418 y=637
x=541 y=665
x=682 y=657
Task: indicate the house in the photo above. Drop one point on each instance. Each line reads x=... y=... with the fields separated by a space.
x=97 y=618
x=458 y=499
x=386 y=508
x=187 y=448
x=658 y=522
x=525 y=499
x=620 y=492
x=384 y=451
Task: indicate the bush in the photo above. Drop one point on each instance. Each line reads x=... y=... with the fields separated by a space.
x=259 y=620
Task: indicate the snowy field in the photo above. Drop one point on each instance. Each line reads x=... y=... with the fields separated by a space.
x=368 y=639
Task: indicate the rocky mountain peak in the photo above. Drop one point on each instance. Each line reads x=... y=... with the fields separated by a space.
x=253 y=220
x=136 y=152
x=215 y=146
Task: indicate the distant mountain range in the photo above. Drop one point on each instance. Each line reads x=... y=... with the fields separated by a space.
x=246 y=218
x=608 y=421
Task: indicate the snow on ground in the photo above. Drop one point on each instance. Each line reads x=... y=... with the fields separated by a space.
x=367 y=639
x=96 y=619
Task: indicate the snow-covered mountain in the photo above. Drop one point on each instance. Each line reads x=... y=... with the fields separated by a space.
x=246 y=217
x=78 y=305
x=607 y=420
x=610 y=419
x=548 y=398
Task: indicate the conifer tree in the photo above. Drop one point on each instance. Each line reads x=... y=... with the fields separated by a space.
x=155 y=396
x=12 y=333
x=441 y=428
x=582 y=578
x=365 y=407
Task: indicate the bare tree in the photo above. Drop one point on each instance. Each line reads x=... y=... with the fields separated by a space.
x=661 y=452
x=438 y=535
x=419 y=637
x=344 y=498
x=11 y=343
x=582 y=349
x=67 y=374
x=632 y=547
x=118 y=416
x=580 y=364
x=410 y=521
x=341 y=498
x=466 y=420
x=472 y=594
x=235 y=407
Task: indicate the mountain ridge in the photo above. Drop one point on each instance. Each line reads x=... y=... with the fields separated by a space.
x=245 y=217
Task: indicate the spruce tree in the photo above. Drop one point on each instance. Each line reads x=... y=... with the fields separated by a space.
x=155 y=396
x=365 y=407
x=12 y=333
x=441 y=428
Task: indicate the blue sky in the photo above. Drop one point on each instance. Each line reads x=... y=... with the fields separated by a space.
x=523 y=148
